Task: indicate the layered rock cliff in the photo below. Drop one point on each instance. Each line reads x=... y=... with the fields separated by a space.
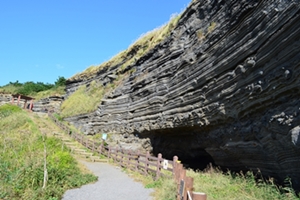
x=224 y=84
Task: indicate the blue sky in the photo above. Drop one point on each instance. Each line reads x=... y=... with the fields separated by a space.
x=42 y=40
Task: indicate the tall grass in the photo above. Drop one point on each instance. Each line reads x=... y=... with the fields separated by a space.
x=219 y=186
x=22 y=161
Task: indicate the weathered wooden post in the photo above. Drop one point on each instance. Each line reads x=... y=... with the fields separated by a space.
x=93 y=145
x=137 y=161
x=146 y=163
x=129 y=157
x=12 y=100
x=188 y=190
x=101 y=147
x=175 y=159
x=25 y=104
x=108 y=154
x=158 y=166
x=31 y=105
x=19 y=98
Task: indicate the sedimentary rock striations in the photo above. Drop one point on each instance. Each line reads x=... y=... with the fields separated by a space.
x=225 y=83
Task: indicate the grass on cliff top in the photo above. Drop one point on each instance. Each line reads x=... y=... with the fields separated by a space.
x=218 y=185
x=140 y=47
x=22 y=160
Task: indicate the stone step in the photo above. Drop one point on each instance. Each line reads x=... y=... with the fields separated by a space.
x=66 y=139
x=84 y=155
x=98 y=159
x=78 y=150
x=56 y=134
x=70 y=143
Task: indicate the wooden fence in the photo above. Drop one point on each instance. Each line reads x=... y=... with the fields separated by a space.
x=141 y=162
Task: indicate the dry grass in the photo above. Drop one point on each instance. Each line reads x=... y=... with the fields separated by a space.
x=84 y=100
x=139 y=48
x=219 y=185
x=211 y=27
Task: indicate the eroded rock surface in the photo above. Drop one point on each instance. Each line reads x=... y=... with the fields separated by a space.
x=46 y=104
x=224 y=83
x=4 y=99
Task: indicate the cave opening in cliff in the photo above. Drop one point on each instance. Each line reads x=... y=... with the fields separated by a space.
x=197 y=159
x=199 y=162
x=185 y=147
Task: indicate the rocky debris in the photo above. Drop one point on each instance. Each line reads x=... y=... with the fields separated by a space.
x=224 y=83
x=4 y=99
x=50 y=103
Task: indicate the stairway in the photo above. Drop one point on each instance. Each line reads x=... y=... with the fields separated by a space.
x=49 y=128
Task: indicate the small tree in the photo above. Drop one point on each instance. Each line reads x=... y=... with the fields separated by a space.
x=61 y=81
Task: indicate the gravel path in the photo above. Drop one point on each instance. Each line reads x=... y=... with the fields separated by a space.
x=112 y=184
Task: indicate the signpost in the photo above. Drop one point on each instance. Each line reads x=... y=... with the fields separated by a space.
x=104 y=136
x=165 y=164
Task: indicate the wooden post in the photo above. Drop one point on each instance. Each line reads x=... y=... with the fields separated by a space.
x=12 y=100
x=31 y=103
x=158 y=166
x=189 y=181
x=181 y=178
x=175 y=159
x=146 y=163
x=19 y=97
x=101 y=146
x=93 y=145
x=25 y=104
x=137 y=161
x=199 y=196
x=129 y=158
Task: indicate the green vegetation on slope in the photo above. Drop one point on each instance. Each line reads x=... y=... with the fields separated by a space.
x=22 y=160
x=37 y=90
x=83 y=100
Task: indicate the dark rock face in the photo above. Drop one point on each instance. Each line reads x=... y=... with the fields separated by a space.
x=224 y=84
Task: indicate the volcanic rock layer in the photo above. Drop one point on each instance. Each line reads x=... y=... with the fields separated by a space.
x=225 y=83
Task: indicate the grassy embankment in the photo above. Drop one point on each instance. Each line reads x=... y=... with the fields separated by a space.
x=219 y=186
x=22 y=160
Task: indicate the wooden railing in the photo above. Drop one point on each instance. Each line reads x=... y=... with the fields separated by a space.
x=141 y=162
